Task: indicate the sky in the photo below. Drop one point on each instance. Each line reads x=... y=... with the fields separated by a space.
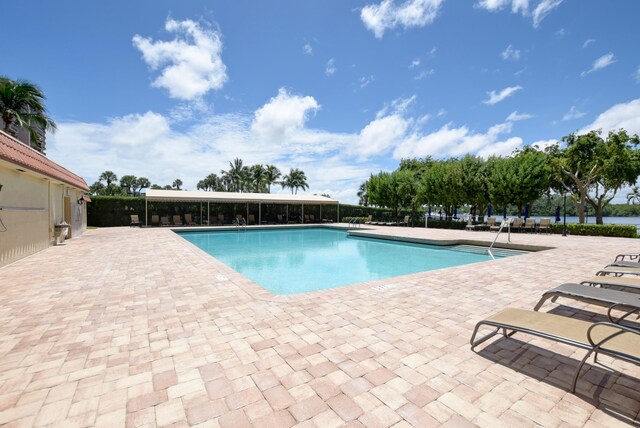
x=340 y=89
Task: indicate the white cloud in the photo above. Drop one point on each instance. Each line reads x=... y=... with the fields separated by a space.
x=496 y=97
x=637 y=74
x=331 y=67
x=307 y=49
x=501 y=148
x=389 y=15
x=543 y=144
x=442 y=112
x=283 y=115
x=540 y=11
x=621 y=116
x=587 y=42
x=414 y=63
x=451 y=141
x=543 y=9
x=510 y=54
x=425 y=73
x=573 y=113
x=365 y=80
x=190 y=65
x=600 y=63
x=379 y=136
x=515 y=116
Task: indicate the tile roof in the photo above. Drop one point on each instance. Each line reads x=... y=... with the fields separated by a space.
x=11 y=150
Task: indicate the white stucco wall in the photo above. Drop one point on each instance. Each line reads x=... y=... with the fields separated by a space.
x=31 y=205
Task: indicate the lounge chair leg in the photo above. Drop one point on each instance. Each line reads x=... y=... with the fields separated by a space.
x=544 y=298
x=475 y=343
x=577 y=374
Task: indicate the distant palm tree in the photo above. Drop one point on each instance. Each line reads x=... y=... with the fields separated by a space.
x=176 y=184
x=97 y=188
x=271 y=176
x=296 y=179
x=141 y=183
x=128 y=183
x=258 y=178
x=109 y=177
x=22 y=102
x=236 y=175
x=634 y=197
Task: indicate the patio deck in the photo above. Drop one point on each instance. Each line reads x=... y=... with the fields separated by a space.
x=137 y=327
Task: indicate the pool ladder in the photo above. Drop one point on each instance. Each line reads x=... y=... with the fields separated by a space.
x=354 y=222
x=505 y=222
x=241 y=224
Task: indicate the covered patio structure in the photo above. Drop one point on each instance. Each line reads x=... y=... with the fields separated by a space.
x=205 y=199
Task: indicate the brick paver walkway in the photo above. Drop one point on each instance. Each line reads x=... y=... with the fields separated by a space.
x=137 y=327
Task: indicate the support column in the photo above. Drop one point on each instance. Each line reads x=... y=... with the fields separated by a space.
x=338 y=215
x=320 y=214
x=201 y=213
x=287 y=213
x=208 y=213
x=302 y=218
x=246 y=219
x=259 y=212
x=146 y=213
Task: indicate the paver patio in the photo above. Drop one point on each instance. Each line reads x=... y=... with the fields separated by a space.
x=137 y=327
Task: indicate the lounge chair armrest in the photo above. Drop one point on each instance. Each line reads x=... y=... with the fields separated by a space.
x=628 y=256
x=620 y=329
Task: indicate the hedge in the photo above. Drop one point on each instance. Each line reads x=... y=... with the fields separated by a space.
x=613 y=230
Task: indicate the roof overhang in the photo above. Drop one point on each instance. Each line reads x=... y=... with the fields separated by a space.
x=234 y=197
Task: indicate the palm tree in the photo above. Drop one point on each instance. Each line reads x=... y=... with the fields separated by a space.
x=176 y=184
x=109 y=177
x=235 y=174
x=296 y=179
x=272 y=174
x=141 y=183
x=258 y=178
x=634 y=197
x=97 y=188
x=22 y=102
x=128 y=183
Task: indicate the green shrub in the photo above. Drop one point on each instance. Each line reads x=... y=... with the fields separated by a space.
x=613 y=230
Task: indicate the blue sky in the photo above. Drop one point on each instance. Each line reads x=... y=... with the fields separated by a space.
x=168 y=89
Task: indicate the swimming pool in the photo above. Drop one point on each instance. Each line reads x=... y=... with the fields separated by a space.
x=297 y=260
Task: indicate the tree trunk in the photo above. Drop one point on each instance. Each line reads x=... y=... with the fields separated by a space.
x=581 y=202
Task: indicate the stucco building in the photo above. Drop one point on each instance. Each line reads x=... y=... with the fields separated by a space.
x=35 y=195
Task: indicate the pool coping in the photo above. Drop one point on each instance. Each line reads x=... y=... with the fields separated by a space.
x=258 y=292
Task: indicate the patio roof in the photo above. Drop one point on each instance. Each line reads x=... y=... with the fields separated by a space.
x=235 y=197
x=19 y=154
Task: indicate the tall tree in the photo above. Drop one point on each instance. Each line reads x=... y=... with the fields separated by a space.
x=363 y=197
x=176 y=184
x=620 y=167
x=258 y=178
x=272 y=175
x=108 y=177
x=141 y=183
x=588 y=163
x=296 y=179
x=97 y=188
x=236 y=175
x=442 y=185
x=22 y=102
x=128 y=184
x=519 y=179
x=634 y=196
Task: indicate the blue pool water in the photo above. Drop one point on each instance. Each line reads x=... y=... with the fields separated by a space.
x=290 y=261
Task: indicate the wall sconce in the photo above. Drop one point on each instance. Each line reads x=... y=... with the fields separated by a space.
x=81 y=200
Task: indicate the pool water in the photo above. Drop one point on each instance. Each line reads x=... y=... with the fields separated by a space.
x=297 y=260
